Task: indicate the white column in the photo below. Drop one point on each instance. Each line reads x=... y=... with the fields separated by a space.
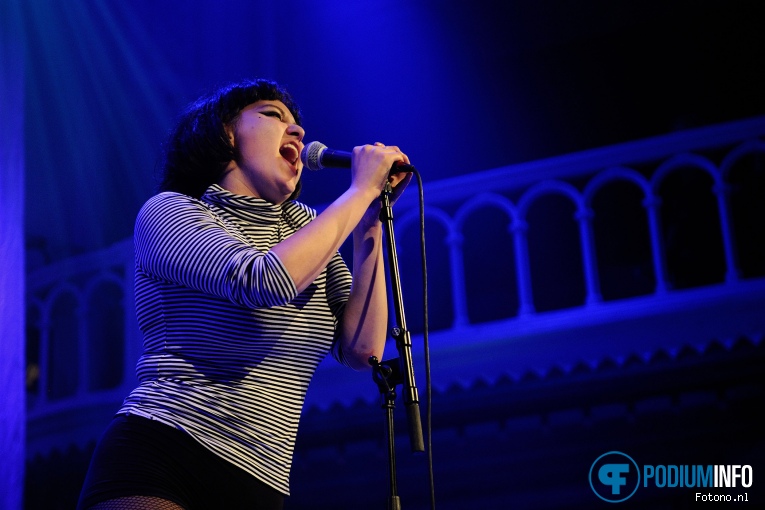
x=12 y=412
x=721 y=191
x=589 y=257
x=459 y=296
x=652 y=204
x=522 y=267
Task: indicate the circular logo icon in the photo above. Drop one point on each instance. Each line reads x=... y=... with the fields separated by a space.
x=614 y=477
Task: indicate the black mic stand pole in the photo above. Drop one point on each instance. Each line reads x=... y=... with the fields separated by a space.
x=399 y=370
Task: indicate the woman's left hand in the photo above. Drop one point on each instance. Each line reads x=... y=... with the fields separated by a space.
x=399 y=181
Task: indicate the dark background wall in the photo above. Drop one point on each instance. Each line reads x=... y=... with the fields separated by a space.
x=460 y=86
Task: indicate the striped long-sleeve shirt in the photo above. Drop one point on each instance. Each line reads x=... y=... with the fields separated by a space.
x=229 y=345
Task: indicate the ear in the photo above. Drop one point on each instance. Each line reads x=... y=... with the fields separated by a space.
x=230 y=133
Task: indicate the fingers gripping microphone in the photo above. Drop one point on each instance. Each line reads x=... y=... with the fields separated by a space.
x=316 y=156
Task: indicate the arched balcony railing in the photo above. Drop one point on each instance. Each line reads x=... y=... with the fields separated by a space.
x=673 y=223
x=82 y=341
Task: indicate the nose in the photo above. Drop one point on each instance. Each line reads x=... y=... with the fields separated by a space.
x=296 y=131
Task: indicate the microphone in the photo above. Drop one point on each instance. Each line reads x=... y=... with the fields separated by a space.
x=316 y=156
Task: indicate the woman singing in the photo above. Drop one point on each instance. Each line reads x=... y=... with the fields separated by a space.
x=240 y=292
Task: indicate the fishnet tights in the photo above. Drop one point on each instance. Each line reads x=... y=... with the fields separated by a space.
x=137 y=503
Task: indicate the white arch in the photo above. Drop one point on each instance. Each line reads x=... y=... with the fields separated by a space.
x=413 y=216
x=745 y=149
x=481 y=201
x=682 y=161
x=613 y=174
x=59 y=290
x=549 y=188
x=102 y=278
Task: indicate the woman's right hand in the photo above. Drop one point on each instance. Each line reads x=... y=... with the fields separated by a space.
x=371 y=167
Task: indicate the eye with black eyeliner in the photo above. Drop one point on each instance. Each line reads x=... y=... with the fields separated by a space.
x=272 y=113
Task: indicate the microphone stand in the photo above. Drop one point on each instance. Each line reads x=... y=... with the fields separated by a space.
x=388 y=374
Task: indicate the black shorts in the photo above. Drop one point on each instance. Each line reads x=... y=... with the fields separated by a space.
x=140 y=457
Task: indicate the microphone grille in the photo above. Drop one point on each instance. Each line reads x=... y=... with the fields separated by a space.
x=311 y=155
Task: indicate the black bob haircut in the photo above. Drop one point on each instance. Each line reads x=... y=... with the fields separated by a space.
x=198 y=149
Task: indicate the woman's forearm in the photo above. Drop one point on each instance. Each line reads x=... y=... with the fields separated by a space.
x=306 y=253
x=365 y=320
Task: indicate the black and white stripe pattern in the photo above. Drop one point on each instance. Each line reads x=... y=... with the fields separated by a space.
x=229 y=344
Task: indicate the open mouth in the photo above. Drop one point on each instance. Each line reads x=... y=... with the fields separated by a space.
x=290 y=152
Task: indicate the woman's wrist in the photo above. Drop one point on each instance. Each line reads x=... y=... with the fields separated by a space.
x=368 y=227
x=367 y=194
